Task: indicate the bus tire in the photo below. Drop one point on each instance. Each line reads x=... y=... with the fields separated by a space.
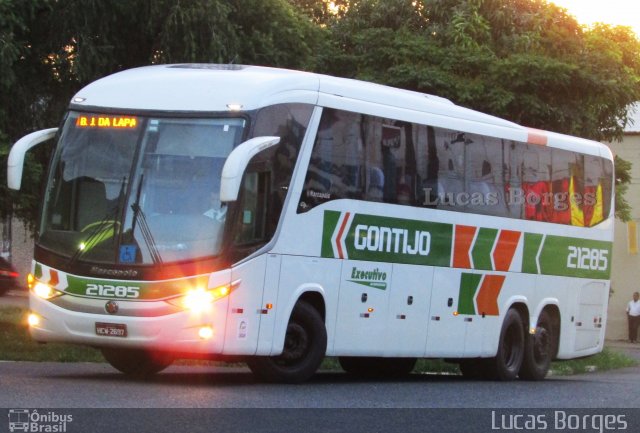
x=539 y=350
x=374 y=367
x=136 y=363
x=304 y=348
x=507 y=362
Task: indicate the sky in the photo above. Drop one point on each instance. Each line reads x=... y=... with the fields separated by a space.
x=620 y=12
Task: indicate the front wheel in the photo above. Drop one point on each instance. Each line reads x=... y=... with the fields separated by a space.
x=304 y=348
x=136 y=363
x=507 y=362
x=539 y=350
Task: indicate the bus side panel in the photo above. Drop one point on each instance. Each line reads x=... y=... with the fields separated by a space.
x=299 y=275
x=446 y=331
x=569 y=315
x=269 y=298
x=244 y=311
x=591 y=316
x=409 y=303
x=362 y=308
x=585 y=331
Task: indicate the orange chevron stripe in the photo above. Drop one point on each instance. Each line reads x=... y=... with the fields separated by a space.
x=54 y=280
x=487 y=298
x=505 y=249
x=464 y=239
x=340 y=233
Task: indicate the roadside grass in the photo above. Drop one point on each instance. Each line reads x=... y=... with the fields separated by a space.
x=608 y=359
x=17 y=345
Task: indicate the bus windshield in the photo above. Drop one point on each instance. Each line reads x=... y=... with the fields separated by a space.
x=127 y=189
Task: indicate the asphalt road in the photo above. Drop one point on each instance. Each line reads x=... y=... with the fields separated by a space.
x=211 y=399
x=329 y=402
x=89 y=385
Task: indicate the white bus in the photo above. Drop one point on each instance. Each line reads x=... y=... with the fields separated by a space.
x=278 y=217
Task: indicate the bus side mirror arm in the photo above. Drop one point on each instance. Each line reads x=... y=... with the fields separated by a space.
x=15 y=162
x=237 y=162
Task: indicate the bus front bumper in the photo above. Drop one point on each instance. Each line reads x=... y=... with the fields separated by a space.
x=183 y=331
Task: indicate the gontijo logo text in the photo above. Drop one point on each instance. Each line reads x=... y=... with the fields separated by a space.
x=367 y=237
x=354 y=236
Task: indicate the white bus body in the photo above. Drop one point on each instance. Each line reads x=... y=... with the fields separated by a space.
x=360 y=221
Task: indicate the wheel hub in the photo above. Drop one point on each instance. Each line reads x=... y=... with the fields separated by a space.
x=296 y=342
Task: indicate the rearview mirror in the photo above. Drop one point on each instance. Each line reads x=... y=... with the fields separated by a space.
x=15 y=163
x=237 y=162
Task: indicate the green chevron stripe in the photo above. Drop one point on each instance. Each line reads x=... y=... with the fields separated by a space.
x=481 y=252
x=469 y=284
x=531 y=246
x=38 y=271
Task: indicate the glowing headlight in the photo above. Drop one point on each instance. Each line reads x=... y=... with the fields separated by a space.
x=199 y=299
x=206 y=332
x=45 y=291
x=33 y=320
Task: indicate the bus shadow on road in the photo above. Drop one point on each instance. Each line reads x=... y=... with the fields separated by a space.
x=235 y=377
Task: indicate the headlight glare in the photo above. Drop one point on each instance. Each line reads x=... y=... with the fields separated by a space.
x=199 y=299
x=45 y=291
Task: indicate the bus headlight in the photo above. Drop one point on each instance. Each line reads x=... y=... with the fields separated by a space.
x=198 y=300
x=33 y=320
x=45 y=291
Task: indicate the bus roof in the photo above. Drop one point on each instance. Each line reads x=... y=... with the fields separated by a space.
x=216 y=88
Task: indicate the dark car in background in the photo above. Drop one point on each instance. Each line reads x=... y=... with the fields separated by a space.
x=8 y=277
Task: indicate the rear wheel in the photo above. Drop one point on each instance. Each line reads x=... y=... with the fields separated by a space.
x=539 y=350
x=304 y=348
x=136 y=363
x=377 y=367
x=507 y=362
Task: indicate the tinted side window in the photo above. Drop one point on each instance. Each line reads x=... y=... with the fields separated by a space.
x=336 y=169
x=267 y=178
x=384 y=160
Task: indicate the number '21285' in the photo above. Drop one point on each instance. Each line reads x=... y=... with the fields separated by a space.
x=587 y=258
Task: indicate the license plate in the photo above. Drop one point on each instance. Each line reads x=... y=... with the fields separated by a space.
x=111 y=329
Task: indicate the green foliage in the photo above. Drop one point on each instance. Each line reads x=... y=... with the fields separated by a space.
x=623 y=179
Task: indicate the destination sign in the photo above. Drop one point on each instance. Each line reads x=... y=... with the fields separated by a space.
x=113 y=122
